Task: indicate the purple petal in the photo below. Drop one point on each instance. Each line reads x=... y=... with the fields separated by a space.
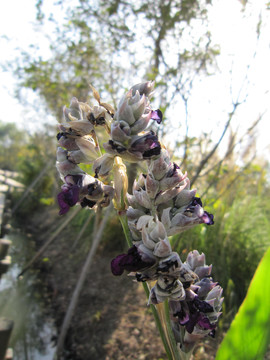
x=208 y=218
x=204 y=322
x=117 y=266
x=203 y=306
x=193 y=320
x=68 y=197
x=182 y=313
x=196 y=201
x=148 y=145
x=157 y=116
x=184 y=319
x=132 y=261
x=64 y=207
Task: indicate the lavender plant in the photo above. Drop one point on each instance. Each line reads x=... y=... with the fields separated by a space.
x=185 y=300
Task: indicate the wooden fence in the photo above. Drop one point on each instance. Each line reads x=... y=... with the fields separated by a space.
x=7 y=184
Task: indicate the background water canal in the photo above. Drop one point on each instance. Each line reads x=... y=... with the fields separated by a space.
x=23 y=300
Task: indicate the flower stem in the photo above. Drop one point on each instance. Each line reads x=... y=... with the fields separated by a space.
x=124 y=222
x=169 y=331
x=159 y=325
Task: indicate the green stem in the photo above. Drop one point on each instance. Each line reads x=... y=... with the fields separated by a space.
x=124 y=222
x=170 y=334
x=158 y=324
x=177 y=352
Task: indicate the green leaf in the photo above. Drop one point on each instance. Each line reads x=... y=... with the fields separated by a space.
x=249 y=334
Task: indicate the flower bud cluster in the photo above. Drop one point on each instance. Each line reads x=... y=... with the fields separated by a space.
x=129 y=140
x=129 y=136
x=152 y=259
x=77 y=144
x=165 y=190
x=201 y=308
x=195 y=300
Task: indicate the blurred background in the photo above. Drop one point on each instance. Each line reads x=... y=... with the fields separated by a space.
x=210 y=62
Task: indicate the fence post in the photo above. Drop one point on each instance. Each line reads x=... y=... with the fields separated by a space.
x=6 y=326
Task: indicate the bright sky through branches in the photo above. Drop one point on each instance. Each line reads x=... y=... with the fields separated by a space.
x=243 y=65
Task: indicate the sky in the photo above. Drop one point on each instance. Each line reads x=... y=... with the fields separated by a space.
x=242 y=57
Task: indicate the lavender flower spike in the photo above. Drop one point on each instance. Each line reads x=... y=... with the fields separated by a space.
x=161 y=204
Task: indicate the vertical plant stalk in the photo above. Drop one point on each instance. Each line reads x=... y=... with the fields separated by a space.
x=84 y=227
x=179 y=354
x=158 y=320
x=50 y=240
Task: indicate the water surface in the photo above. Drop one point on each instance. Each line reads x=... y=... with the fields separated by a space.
x=23 y=301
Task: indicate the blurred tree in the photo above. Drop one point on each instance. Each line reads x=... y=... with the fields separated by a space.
x=163 y=40
x=36 y=162
x=11 y=142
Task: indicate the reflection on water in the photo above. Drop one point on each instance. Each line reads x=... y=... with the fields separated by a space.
x=22 y=301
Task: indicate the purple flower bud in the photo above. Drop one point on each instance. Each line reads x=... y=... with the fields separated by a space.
x=203 y=271
x=141 y=124
x=169 y=265
x=120 y=132
x=145 y=88
x=142 y=147
x=166 y=287
x=138 y=105
x=148 y=145
x=195 y=259
x=204 y=286
x=185 y=197
x=172 y=179
x=134 y=214
x=125 y=112
x=103 y=165
x=142 y=199
x=77 y=128
x=158 y=168
x=162 y=248
x=204 y=323
x=85 y=189
x=66 y=142
x=165 y=196
x=187 y=217
x=74 y=110
x=64 y=166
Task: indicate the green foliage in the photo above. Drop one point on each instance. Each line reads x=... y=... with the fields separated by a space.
x=12 y=141
x=249 y=334
x=239 y=237
x=113 y=237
